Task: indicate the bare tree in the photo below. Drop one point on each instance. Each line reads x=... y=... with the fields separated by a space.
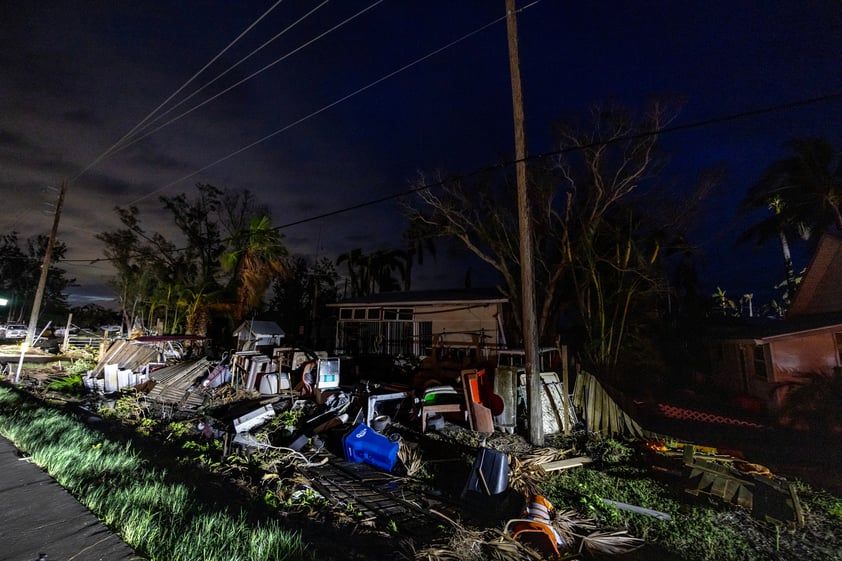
x=595 y=250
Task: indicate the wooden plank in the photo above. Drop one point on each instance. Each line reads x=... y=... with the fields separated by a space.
x=483 y=421
x=614 y=418
x=565 y=386
x=566 y=464
x=604 y=405
x=549 y=381
x=591 y=420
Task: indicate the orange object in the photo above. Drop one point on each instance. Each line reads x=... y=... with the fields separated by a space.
x=538 y=508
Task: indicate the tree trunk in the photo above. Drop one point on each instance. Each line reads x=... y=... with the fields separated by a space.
x=788 y=270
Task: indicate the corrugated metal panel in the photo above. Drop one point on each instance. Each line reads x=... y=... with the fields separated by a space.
x=174 y=384
x=128 y=355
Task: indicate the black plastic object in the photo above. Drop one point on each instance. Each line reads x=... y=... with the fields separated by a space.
x=490 y=474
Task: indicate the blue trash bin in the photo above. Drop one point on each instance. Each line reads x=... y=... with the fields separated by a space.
x=365 y=445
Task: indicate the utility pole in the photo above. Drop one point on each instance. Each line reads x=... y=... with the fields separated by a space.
x=527 y=276
x=42 y=281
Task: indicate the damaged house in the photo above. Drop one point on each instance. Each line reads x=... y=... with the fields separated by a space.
x=756 y=363
x=256 y=335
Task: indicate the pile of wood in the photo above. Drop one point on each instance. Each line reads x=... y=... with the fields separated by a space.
x=600 y=412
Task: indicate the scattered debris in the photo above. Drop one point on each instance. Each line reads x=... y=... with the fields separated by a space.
x=755 y=489
x=289 y=402
x=253 y=419
x=566 y=464
x=638 y=509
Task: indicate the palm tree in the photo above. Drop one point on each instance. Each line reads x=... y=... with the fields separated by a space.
x=357 y=271
x=381 y=266
x=257 y=257
x=781 y=223
x=804 y=193
x=811 y=181
x=373 y=272
x=418 y=241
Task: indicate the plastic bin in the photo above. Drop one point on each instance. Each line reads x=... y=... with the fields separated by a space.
x=490 y=474
x=365 y=445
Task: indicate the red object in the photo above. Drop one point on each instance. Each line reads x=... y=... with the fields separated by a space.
x=482 y=393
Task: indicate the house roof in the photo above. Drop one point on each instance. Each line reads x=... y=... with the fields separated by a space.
x=764 y=328
x=260 y=328
x=820 y=291
x=426 y=297
x=816 y=304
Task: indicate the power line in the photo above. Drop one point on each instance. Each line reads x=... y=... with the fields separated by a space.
x=225 y=72
x=485 y=169
x=644 y=134
x=115 y=146
x=319 y=111
x=246 y=79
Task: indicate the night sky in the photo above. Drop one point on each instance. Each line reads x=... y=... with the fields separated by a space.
x=77 y=76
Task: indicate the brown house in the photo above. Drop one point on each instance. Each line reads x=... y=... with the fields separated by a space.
x=757 y=363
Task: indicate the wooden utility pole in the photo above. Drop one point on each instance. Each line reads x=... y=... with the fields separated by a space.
x=42 y=281
x=527 y=277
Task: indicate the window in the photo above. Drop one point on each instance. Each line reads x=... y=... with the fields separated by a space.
x=371 y=314
x=760 y=364
x=425 y=337
x=402 y=314
x=398 y=337
x=382 y=330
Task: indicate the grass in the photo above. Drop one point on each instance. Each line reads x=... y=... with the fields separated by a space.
x=155 y=514
x=699 y=530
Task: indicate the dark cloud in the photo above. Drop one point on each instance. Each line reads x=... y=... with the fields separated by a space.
x=19 y=152
x=81 y=117
x=78 y=76
x=146 y=158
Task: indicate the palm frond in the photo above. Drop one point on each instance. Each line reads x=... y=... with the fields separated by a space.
x=526 y=473
x=610 y=543
x=505 y=548
x=571 y=527
x=411 y=458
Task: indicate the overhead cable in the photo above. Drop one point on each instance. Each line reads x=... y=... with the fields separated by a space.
x=508 y=163
x=252 y=75
x=122 y=139
x=224 y=73
x=318 y=111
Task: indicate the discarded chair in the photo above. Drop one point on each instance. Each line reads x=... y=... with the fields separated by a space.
x=440 y=400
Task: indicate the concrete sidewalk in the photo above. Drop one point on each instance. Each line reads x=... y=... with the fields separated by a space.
x=39 y=518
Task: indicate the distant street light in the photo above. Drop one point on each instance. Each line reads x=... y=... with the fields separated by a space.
x=4 y=301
